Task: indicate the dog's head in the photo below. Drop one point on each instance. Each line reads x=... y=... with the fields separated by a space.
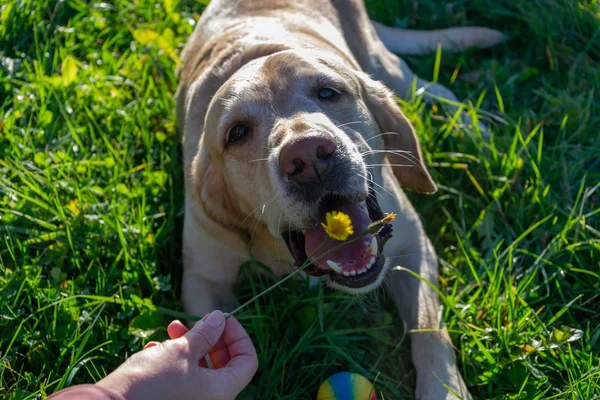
x=295 y=135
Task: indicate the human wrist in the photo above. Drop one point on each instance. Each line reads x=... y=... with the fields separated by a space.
x=126 y=384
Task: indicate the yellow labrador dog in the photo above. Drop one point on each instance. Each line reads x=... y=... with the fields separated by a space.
x=288 y=113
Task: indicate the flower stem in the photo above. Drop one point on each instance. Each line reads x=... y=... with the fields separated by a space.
x=372 y=229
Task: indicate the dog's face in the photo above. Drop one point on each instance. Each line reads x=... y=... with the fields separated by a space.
x=294 y=136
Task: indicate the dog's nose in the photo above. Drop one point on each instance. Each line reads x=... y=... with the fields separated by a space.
x=307 y=159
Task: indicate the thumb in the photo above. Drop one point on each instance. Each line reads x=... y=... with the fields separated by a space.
x=206 y=333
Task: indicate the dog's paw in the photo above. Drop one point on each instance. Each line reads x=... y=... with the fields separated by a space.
x=442 y=394
x=432 y=388
x=438 y=376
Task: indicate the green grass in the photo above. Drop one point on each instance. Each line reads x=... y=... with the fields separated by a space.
x=91 y=199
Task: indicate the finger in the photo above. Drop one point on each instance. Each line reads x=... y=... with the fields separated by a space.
x=243 y=365
x=236 y=339
x=150 y=344
x=219 y=357
x=206 y=333
x=176 y=329
x=244 y=361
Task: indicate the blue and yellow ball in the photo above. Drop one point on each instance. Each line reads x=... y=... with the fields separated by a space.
x=346 y=386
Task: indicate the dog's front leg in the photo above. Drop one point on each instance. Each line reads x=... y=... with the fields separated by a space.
x=418 y=304
x=210 y=270
x=201 y=295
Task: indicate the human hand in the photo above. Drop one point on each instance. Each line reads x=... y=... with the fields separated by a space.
x=176 y=368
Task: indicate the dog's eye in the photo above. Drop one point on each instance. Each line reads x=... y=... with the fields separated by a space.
x=328 y=94
x=237 y=132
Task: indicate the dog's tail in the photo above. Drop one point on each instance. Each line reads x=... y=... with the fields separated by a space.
x=415 y=42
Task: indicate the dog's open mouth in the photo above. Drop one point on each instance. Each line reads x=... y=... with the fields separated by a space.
x=353 y=263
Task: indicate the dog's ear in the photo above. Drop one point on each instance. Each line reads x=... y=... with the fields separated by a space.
x=213 y=192
x=398 y=136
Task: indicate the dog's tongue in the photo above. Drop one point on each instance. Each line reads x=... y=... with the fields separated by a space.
x=350 y=256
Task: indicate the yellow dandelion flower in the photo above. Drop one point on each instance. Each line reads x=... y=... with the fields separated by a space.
x=339 y=225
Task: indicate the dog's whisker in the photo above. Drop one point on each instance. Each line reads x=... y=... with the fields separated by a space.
x=350 y=123
x=279 y=220
x=256 y=220
x=263 y=205
x=383 y=165
x=410 y=156
x=258 y=159
x=407 y=156
x=381 y=134
x=383 y=188
x=377 y=192
x=402 y=256
x=386 y=151
x=279 y=230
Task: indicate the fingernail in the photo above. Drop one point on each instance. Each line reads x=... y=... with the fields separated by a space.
x=214 y=319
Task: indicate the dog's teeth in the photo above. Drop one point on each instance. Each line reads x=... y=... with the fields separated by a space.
x=334 y=266
x=373 y=246
x=362 y=271
x=346 y=273
x=353 y=273
x=371 y=262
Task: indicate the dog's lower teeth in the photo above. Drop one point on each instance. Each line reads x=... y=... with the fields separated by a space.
x=371 y=262
x=334 y=266
x=337 y=267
